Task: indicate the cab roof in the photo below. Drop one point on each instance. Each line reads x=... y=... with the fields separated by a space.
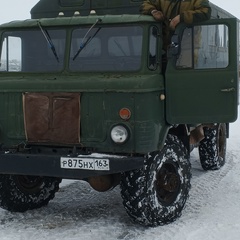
x=52 y=8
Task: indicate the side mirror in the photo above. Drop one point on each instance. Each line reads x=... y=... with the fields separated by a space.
x=176 y=39
x=175 y=45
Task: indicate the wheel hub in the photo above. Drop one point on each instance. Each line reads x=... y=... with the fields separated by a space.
x=167 y=184
x=29 y=184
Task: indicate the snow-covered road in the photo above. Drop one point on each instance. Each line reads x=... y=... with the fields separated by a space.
x=79 y=212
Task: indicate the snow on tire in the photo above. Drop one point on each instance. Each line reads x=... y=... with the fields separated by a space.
x=22 y=193
x=157 y=193
x=212 y=149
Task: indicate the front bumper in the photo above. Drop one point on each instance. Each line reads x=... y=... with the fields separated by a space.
x=53 y=165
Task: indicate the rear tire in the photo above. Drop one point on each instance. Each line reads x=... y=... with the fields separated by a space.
x=212 y=149
x=156 y=194
x=22 y=193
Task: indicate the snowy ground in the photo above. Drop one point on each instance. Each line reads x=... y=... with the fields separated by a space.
x=78 y=212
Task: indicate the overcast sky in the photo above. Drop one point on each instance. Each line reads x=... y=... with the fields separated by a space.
x=20 y=9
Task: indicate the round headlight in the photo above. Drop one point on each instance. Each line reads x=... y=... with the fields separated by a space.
x=119 y=134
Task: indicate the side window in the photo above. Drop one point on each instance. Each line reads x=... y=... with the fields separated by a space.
x=11 y=54
x=204 y=47
x=152 y=55
x=212 y=49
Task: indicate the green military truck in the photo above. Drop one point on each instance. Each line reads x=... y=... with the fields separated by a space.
x=83 y=96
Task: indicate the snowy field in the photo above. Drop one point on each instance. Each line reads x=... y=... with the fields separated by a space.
x=80 y=213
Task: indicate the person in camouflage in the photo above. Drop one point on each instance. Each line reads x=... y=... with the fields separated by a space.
x=172 y=12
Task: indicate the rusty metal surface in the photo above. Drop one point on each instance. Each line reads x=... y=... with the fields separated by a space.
x=52 y=117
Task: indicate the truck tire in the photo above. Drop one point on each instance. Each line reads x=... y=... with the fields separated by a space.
x=156 y=194
x=212 y=149
x=22 y=193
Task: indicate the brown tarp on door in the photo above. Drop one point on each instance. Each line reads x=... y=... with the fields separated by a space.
x=52 y=117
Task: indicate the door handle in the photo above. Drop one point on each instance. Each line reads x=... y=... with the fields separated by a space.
x=228 y=90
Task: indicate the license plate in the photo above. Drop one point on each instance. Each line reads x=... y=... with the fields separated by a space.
x=85 y=163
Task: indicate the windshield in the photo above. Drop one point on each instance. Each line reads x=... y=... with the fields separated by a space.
x=95 y=49
x=30 y=51
x=106 y=49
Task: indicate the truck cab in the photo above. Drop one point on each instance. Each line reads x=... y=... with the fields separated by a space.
x=84 y=96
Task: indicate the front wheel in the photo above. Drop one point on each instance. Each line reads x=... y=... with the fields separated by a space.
x=212 y=149
x=156 y=194
x=22 y=193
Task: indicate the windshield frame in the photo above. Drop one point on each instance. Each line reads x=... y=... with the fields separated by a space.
x=68 y=24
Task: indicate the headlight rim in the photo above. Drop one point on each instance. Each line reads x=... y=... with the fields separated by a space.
x=127 y=133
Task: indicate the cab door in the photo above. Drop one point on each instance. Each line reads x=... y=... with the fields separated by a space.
x=201 y=79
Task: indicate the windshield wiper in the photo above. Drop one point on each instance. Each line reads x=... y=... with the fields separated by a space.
x=85 y=42
x=49 y=41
